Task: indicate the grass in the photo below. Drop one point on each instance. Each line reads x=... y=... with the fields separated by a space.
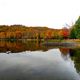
x=64 y=40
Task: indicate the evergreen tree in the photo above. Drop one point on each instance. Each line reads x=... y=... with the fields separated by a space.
x=77 y=28
x=75 y=31
x=72 y=34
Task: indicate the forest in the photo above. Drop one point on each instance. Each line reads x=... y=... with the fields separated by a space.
x=37 y=32
x=24 y=32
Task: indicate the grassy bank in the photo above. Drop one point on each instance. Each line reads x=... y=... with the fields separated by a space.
x=43 y=40
x=64 y=40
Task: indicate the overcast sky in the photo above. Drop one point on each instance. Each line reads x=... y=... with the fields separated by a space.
x=51 y=13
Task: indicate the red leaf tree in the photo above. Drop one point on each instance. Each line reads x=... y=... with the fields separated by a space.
x=65 y=33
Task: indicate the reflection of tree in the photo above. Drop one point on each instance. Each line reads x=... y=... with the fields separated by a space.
x=64 y=53
x=20 y=46
x=75 y=55
x=35 y=45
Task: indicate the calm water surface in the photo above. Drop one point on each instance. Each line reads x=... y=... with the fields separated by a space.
x=32 y=61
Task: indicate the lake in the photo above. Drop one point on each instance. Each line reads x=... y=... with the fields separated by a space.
x=28 y=60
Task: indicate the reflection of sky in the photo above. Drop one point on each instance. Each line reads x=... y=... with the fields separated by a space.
x=37 y=65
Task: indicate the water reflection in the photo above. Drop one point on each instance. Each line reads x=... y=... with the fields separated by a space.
x=20 y=46
x=73 y=54
x=38 y=62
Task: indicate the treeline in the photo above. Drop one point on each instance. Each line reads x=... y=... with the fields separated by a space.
x=37 y=32
x=24 y=32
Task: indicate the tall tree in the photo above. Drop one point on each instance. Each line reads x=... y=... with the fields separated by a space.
x=72 y=33
x=77 y=28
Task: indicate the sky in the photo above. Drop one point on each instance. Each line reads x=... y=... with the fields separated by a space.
x=51 y=13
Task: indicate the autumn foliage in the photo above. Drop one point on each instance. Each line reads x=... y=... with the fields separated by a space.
x=65 y=33
x=24 y=32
